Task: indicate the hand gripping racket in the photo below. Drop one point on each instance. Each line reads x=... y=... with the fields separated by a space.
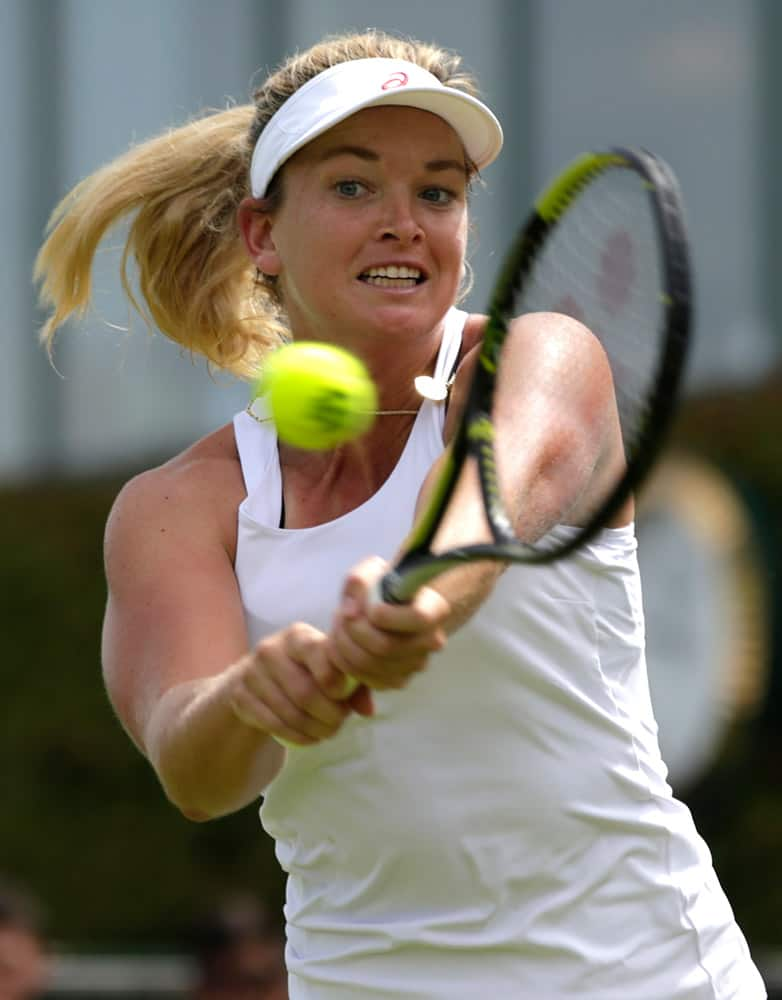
x=606 y=244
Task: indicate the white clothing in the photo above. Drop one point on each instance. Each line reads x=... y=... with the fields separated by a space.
x=503 y=827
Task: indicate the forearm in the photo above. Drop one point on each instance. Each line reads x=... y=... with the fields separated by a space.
x=465 y=587
x=208 y=761
x=555 y=432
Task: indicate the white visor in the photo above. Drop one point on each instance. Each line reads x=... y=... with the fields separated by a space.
x=348 y=87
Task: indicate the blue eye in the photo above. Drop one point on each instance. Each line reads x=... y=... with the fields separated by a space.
x=437 y=195
x=349 y=189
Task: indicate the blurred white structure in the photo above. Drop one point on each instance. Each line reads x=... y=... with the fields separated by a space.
x=85 y=78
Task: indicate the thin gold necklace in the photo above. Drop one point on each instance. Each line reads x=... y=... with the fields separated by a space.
x=435 y=390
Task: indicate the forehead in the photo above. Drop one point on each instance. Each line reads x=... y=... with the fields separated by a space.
x=391 y=127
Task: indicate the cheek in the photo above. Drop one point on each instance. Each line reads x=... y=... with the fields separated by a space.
x=454 y=248
x=457 y=237
x=464 y=232
x=314 y=237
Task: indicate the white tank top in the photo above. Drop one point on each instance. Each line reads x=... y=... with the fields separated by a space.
x=503 y=827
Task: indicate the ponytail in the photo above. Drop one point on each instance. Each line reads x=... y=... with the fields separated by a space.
x=193 y=272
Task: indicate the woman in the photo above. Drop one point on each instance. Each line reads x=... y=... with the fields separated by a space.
x=488 y=813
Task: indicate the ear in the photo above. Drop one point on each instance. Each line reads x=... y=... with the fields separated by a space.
x=256 y=227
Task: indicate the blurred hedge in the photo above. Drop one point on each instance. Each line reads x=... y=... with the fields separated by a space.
x=738 y=806
x=83 y=821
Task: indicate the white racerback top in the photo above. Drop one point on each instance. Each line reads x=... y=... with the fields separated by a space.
x=503 y=827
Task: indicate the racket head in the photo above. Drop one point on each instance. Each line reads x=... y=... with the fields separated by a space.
x=606 y=244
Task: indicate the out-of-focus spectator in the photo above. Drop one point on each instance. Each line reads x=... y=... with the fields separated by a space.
x=24 y=959
x=239 y=952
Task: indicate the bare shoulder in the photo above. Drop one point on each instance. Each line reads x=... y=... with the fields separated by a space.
x=197 y=492
x=534 y=326
x=556 y=327
x=540 y=335
x=560 y=348
x=545 y=348
x=472 y=335
x=173 y=613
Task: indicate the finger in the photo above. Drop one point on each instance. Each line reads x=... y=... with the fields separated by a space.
x=383 y=672
x=359 y=584
x=311 y=649
x=254 y=712
x=292 y=695
x=276 y=728
x=428 y=611
x=329 y=673
x=390 y=645
x=312 y=703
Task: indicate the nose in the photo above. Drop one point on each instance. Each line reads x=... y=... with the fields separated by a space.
x=399 y=220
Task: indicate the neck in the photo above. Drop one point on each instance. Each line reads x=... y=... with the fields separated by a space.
x=397 y=371
x=319 y=487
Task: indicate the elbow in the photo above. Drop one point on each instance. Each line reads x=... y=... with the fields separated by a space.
x=195 y=815
x=205 y=813
x=183 y=800
x=203 y=795
x=182 y=788
x=208 y=770
x=197 y=808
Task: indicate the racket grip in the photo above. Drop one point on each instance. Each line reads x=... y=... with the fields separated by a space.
x=375 y=595
x=351 y=685
x=383 y=591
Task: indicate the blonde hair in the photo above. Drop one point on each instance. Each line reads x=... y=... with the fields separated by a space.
x=183 y=189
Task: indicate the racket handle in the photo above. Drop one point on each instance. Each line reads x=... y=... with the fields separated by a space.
x=384 y=590
x=351 y=685
x=376 y=593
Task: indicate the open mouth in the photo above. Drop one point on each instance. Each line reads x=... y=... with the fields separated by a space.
x=392 y=276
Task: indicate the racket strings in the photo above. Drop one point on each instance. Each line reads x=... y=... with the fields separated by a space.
x=601 y=265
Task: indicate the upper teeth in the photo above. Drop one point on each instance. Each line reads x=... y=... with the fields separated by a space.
x=393 y=271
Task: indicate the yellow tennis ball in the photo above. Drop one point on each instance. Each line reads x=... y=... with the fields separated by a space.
x=319 y=395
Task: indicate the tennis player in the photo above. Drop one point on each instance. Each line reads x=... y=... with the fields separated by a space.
x=488 y=814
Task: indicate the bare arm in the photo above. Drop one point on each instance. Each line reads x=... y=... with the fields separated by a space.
x=558 y=441
x=197 y=702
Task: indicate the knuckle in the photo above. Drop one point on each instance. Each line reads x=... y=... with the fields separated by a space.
x=263 y=650
x=300 y=632
x=240 y=708
x=326 y=675
x=385 y=644
x=301 y=689
x=297 y=720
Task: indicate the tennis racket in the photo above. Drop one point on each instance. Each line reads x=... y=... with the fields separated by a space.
x=605 y=243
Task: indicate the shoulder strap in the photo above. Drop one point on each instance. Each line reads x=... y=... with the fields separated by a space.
x=256 y=444
x=450 y=348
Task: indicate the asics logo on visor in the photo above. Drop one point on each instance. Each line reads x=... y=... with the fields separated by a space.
x=395 y=80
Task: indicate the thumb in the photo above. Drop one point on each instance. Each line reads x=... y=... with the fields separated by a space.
x=358 y=585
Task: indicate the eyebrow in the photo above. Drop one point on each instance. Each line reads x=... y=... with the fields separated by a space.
x=367 y=154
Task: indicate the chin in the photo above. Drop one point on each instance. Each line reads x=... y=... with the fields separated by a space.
x=406 y=314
